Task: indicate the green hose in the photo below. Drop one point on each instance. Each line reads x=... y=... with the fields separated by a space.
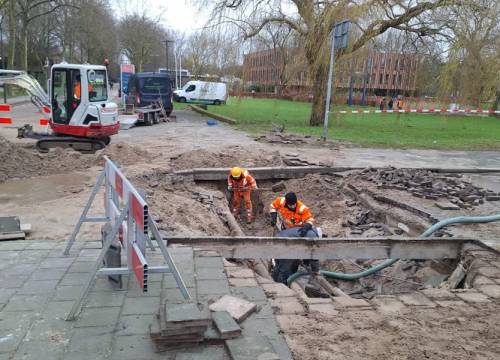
x=389 y=262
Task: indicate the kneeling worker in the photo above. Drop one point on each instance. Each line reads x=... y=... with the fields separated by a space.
x=241 y=183
x=296 y=220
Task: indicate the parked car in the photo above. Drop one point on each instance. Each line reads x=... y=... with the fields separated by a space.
x=147 y=87
x=202 y=92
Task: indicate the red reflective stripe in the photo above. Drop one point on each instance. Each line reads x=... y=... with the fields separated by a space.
x=44 y=122
x=419 y=110
x=5 y=107
x=120 y=233
x=137 y=211
x=479 y=110
x=138 y=267
x=443 y=110
x=5 y=120
x=431 y=110
x=46 y=109
x=119 y=185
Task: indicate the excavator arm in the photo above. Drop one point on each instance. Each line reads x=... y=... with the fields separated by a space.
x=39 y=97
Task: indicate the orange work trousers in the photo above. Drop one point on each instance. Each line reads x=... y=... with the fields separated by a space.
x=237 y=196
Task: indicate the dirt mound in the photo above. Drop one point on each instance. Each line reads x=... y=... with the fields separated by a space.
x=19 y=162
x=234 y=156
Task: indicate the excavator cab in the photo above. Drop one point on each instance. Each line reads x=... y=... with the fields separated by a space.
x=79 y=102
x=81 y=115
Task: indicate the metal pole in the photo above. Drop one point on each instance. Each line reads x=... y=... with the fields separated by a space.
x=329 y=86
x=166 y=53
x=175 y=66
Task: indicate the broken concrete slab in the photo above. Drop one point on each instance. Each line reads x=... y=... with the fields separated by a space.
x=472 y=296
x=237 y=272
x=287 y=305
x=238 y=308
x=242 y=282
x=277 y=290
x=250 y=348
x=416 y=299
x=388 y=304
x=348 y=302
x=492 y=291
x=446 y=205
x=325 y=309
x=225 y=324
x=453 y=304
x=441 y=294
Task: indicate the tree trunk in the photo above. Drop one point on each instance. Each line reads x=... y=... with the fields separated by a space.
x=497 y=102
x=24 y=64
x=12 y=34
x=320 y=77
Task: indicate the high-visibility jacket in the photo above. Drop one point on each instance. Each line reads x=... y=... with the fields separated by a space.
x=246 y=182
x=291 y=218
x=77 y=91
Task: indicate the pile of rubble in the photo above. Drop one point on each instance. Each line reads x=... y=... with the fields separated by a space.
x=365 y=220
x=430 y=185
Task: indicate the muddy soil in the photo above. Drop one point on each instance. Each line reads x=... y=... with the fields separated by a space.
x=19 y=162
x=459 y=333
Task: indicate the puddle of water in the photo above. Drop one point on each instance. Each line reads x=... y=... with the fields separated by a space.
x=40 y=188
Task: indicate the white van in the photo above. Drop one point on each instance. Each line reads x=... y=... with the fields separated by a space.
x=202 y=91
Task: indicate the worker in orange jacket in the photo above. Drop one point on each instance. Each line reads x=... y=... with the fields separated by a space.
x=241 y=183
x=293 y=214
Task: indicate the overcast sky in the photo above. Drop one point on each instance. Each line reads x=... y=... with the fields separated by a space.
x=178 y=15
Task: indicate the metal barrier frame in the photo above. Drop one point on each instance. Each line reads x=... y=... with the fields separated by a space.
x=128 y=215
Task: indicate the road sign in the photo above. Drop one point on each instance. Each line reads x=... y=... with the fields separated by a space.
x=340 y=37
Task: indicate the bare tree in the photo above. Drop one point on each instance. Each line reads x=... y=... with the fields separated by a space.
x=314 y=20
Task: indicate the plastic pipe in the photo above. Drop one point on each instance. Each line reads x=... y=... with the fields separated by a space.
x=390 y=262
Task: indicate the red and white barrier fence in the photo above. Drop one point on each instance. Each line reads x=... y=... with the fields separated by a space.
x=5 y=117
x=127 y=214
x=420 y=111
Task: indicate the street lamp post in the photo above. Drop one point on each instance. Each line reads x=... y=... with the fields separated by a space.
x=340 y=33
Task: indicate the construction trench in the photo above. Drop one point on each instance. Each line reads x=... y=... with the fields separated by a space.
x=393 y=313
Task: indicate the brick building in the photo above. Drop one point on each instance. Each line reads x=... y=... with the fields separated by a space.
x=378 y=72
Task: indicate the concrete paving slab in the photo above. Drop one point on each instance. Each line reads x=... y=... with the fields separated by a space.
x=104 y=299
x=249 y=348
x=208 y=262
x=25 y=302
x=98 y=317
x=56 y=309
x=242 y=282
x=75 y=279
x=81 y=267
x=212 y=287
x=13 y=282
x=388 y=304
x=85 y=341
x=440 y=294
x=240 y=273
x=350 y=303
x=135 y=347
x=325 y=309
x=203 y=352
x=472 y=297
x=211 y=273
x=67 y=292
x=253 y=294
x=287 y=305
x=54 y=263
x=41 y=350
x=38 y=287
x=493 y=291
x=277 y=290
x=416 y=299
x=47 y=274
x=6 y=294
x=225 y=324
x=452 y=304
x=19 y=270
x=239 y=309
x=142 y=306
x=134 y=324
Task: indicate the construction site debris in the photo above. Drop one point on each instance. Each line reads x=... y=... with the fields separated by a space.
x=12 y=229
x=427 y=184
x=238 y=308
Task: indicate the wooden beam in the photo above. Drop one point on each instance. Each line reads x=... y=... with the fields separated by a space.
x=247 y=247
x=293 y=172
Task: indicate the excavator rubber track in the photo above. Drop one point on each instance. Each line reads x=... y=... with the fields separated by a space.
x=83 y=145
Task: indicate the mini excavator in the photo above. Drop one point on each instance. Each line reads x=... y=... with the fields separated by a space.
x=80 y=115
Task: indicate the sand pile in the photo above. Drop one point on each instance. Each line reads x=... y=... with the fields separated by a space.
x=19 y=162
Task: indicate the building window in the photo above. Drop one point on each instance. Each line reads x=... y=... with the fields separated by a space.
x=381 y=79
x=387 y=79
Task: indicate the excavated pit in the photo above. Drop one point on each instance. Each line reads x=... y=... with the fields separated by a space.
x=184 y=207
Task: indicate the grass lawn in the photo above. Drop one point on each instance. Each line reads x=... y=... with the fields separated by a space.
x=180 y=106
x=375 y=130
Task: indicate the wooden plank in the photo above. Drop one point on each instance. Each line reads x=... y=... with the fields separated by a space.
x=247 y=247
